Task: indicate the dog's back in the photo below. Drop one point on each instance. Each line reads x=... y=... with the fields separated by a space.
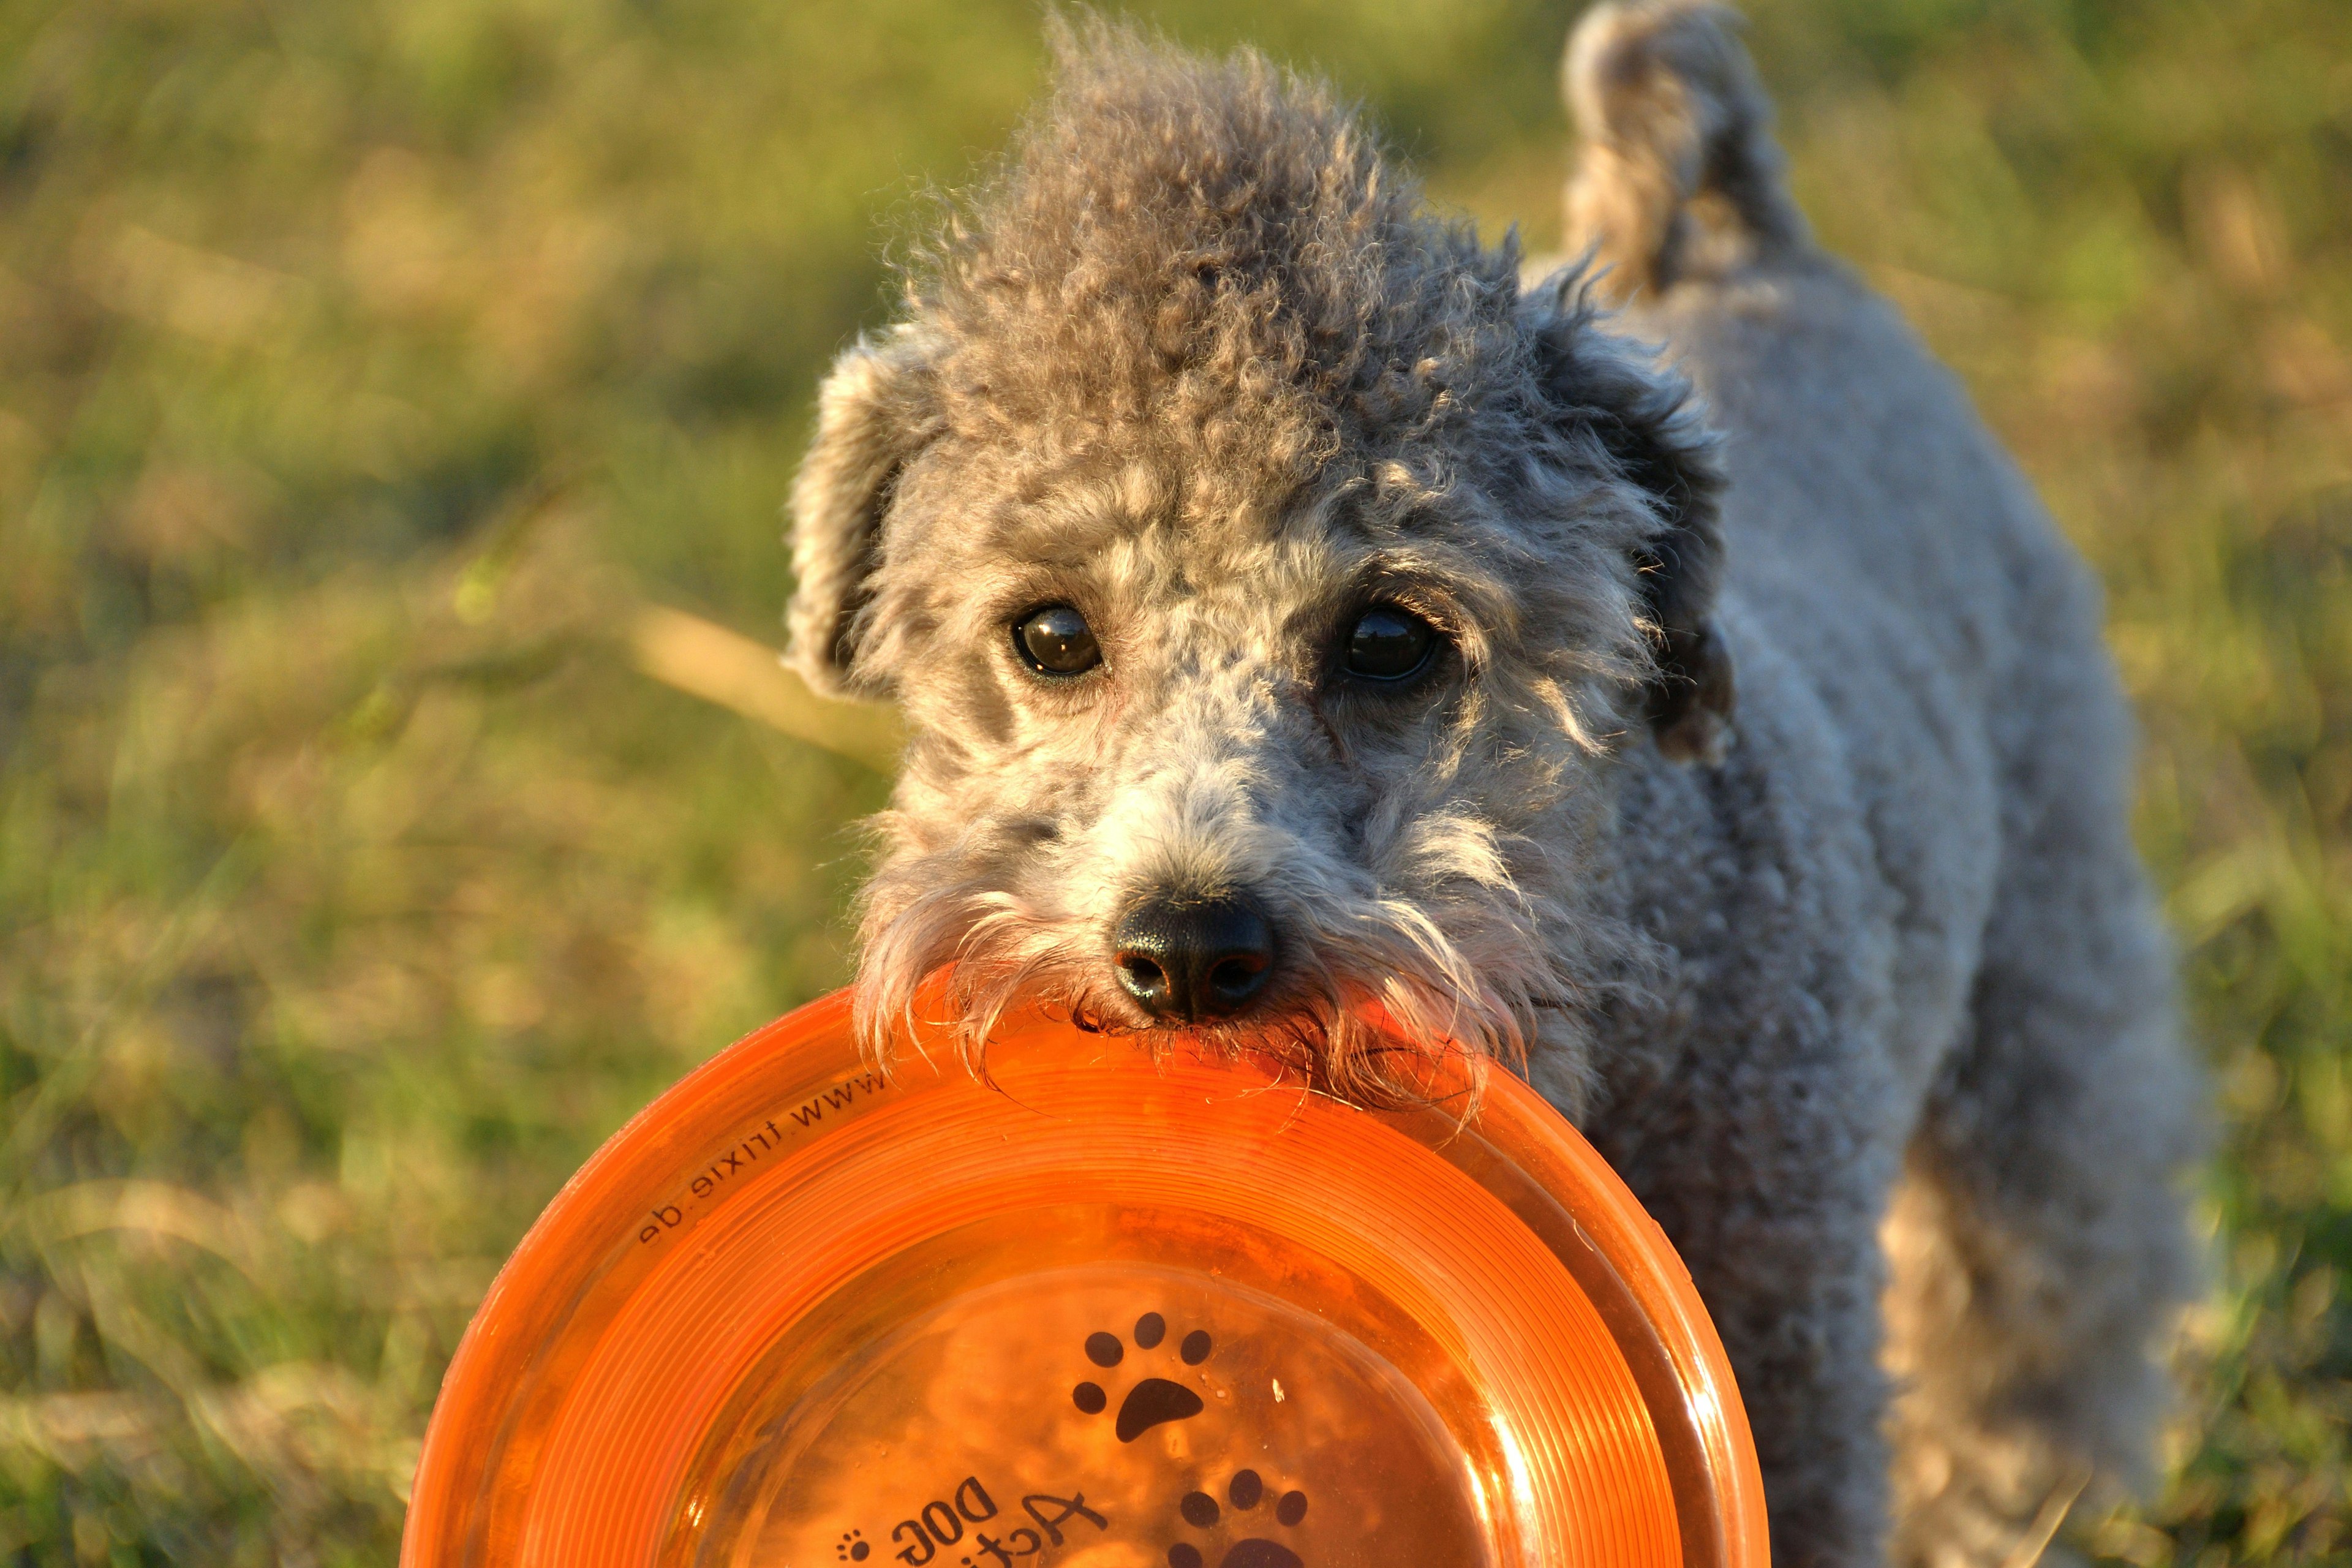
x=1913 y=637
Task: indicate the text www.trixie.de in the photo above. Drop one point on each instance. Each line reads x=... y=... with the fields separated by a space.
x=738 y=1158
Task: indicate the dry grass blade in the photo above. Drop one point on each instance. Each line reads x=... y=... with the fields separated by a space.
x=723 y=667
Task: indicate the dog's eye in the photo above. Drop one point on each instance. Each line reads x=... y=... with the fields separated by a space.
x=1390 y=644
x=1056 y=641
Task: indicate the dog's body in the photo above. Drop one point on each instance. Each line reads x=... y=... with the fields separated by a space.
x=1854 y=977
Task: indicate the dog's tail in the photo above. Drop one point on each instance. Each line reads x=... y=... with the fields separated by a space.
x=1678 y=175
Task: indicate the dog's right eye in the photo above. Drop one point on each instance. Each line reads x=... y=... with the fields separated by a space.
x=1390 y=644
x=1056 y=641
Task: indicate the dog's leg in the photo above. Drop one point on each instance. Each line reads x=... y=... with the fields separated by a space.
x=1776 y=1230
x=2038 y=1245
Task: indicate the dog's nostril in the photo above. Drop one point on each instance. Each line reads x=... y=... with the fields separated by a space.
x=1236 y=979
x=1192 y=958
x=1141 y=976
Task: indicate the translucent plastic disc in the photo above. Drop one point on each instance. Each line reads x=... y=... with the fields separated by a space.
x=1103 y=1312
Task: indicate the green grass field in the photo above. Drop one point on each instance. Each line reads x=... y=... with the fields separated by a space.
x=371 y=372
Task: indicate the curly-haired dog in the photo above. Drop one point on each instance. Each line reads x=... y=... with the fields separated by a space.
x=1300 y=623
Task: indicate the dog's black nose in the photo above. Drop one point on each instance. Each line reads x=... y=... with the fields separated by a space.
x=1192 y=958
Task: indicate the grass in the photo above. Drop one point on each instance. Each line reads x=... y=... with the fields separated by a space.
x=377 y=380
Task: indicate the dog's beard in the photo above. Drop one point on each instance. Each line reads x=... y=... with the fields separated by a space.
x=1370 y=999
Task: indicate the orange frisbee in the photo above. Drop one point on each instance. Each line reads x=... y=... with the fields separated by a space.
x=1108 y=1311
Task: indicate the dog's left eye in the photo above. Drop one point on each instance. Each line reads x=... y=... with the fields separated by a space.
x=1056 y=641
x=1390 y=644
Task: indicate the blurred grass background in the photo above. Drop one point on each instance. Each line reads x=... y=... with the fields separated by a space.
x=373 y=372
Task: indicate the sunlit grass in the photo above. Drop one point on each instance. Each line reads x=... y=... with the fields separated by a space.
x=376 y=380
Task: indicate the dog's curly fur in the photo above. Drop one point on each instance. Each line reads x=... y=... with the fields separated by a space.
x=1852 y=974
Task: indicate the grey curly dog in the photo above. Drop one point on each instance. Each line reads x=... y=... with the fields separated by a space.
x=1313 y=636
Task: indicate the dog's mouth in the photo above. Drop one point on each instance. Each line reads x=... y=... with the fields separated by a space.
x=1360 y=1005
x=1347 y=1042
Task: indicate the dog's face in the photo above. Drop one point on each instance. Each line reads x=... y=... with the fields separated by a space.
x=1263 y=580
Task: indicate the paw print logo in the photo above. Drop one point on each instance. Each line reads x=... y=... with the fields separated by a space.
x=1154 y=1401
x=1245 y=1491
x=853 y=1546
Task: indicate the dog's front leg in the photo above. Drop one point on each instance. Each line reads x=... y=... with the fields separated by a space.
x=1769 y=1174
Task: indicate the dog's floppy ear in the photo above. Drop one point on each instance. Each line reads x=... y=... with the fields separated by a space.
x=1643 y=419
x=875 y=412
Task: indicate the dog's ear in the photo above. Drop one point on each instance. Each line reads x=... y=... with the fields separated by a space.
x=876 y=410
x=1647 y=430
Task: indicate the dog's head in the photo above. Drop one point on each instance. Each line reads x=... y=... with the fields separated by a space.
x=1265 y=580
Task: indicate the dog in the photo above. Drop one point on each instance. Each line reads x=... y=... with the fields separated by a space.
x=1316 y=638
